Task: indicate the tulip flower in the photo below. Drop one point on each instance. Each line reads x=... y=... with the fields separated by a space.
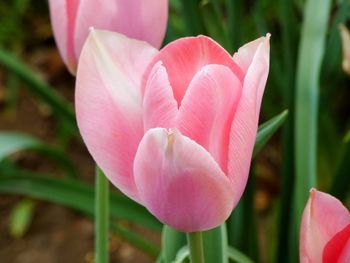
x=325 y=230
x=71 y=19
x=173 y=129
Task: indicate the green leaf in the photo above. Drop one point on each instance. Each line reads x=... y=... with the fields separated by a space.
x=101 y=217
x=340 y=186
x=311 y=51
x=347 y=137
x=21 y=217
x=237 y=256
x=12 y=142
x=215 y=244
x=46 y=93
x=183 y=255
x=135 y=239
x=267 y=129
x=172 y=242
x=74 y=194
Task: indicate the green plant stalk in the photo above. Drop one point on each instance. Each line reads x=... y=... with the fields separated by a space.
x=215 y=243
x=101 y=217
x=234 y=13
x=195 y=244
x=340 y=186
x=311 y=51
x=192 y=17
x=237 y=256
x=289 y=38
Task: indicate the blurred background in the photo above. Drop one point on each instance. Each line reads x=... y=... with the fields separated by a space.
x=46 y=173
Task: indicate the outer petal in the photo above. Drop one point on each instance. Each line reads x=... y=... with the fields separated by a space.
x=207 y=110
x=184 y=57
x=108 y=103
x=323 y=217
x=181 y=184
x=245 y=122
x=337 y=250
x=63 y=13
x=140 y=19
x=159 y=105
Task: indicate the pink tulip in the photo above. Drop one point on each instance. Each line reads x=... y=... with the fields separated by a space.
x=325 y=230
x=71 y=19
x=173 y=129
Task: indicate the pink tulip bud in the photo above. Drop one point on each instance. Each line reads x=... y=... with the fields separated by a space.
x=173 y=129
x=71 y=19
x=325 y=230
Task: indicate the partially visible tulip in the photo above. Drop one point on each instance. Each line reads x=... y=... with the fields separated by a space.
x=325 y=230
x=71 y=19
x=172 y=129
x=345 y=37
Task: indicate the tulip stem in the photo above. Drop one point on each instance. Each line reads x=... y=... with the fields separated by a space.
x=195 y=244
x=101 y=217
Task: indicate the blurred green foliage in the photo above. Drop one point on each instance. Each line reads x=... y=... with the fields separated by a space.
x=24 y=24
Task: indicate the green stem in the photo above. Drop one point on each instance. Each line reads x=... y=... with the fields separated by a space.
x=311 y=51
x=195 y=243
x=101 y=217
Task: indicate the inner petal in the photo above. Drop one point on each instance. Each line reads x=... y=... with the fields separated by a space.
x=208 y=108
x=183 y=58
x=159 y=105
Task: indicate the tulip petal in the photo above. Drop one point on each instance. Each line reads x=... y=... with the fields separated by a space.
x=63 y=13
x=180 y=183
x=337 y=250
x=108 y=103
x=207 y=110
x=323 y=217
x=184 y=57
x=245 y=122
x=159 y=105
x=139 y=19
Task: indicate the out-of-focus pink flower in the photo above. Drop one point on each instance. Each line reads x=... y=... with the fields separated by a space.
x=325 y=230
x=71 y=19
x=172 y=129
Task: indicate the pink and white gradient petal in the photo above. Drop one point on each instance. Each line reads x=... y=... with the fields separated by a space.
x=108 y=103
x=245 y=122
x=181 y=184
x=139 y=19
x=63 y=13
x=323 y=217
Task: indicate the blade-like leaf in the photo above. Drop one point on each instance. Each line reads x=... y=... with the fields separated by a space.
x=215 y=244
x=46 y=93
x=135 y=239
x=74 y=194
x=267 y=129
x=172 y=242
x=12 y=142
x=311 y=50
x=237 y=256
